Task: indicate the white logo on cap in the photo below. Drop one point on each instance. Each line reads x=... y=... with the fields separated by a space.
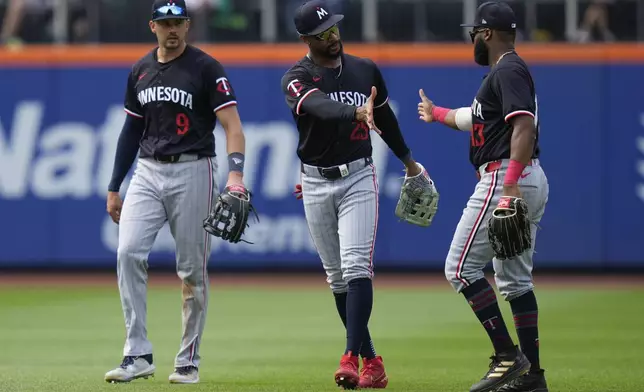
x=321 y=12
x=483 y=21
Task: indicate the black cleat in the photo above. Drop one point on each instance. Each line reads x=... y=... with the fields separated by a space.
x=534 y=381
x=504 y=368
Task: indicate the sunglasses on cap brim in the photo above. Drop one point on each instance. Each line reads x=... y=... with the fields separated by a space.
x=166 y=10
x=477 y=30
x=324 y=36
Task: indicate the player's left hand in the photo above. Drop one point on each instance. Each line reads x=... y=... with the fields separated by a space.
x=512 y=190
x=229 y=218
x=509 y=228
x=412 y=169
x=235 y=178
x=418 y=201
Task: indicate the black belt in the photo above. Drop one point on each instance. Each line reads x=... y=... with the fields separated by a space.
x=172 y=158
x=334 y=172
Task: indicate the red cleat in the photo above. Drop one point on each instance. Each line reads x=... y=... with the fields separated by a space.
x=347 y=374
x=373 y=373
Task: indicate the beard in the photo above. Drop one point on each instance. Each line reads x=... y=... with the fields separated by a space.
x=172 y=43
x=481 y=53
x=331 y=54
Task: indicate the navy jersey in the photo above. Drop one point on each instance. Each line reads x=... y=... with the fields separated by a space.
x=329 y=135
x=178 y=101
x=507 y=91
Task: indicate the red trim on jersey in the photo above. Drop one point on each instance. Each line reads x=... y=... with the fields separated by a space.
x=299 y=103
x=475 y=228
x=518 y=113
x=375 y=229
x=224 y=105
x=131 y=113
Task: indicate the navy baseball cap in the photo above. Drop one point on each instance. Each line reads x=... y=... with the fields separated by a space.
x=314 y=17
x=169 y=9
x=495 y=15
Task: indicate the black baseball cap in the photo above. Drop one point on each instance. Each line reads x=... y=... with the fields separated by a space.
x=495 y=15
x=169 y=9
x=314 y=17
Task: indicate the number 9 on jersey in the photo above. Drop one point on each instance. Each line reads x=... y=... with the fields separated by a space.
x=183 y=124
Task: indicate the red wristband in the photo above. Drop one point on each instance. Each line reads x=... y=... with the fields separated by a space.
x=439 y=113
x=515 y=168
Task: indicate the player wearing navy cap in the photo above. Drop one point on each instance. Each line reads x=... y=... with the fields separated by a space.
x=174 y=97
x=504 y=150
x=336 y=99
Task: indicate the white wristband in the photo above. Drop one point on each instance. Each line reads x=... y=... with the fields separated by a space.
x=463 y=119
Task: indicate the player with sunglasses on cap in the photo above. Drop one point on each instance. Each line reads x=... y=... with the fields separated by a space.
x=503 y=125
x=175 y=96
x=336 y=99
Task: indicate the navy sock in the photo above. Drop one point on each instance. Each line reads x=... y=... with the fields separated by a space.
x=359 y=304
x=482 y=299
x=526 y=314
x=367 y=350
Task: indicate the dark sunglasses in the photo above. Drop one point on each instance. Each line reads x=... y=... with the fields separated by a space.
x=169 y=9
x=475 y=31
x=324 y=36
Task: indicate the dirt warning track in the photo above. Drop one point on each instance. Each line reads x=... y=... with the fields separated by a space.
x=309 y=280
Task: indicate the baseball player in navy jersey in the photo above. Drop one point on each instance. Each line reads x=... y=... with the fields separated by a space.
x=504 y=149
x=174 y=97
x=336 y=99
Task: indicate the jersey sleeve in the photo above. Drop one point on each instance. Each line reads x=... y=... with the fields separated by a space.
x=303 y=98
x=220 y=91
x=132 y=105
x=297 y=86
x=382 y=94
x=514 y=88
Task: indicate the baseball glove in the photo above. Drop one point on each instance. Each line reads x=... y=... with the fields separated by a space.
x=229 y=218
x=418 y=200
x=509 y=228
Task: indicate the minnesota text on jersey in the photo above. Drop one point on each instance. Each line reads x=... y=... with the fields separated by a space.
x=174 y=97
x=334 y=98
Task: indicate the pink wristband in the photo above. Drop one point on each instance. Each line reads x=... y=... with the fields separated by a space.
x=439 y=113
x=515 y=168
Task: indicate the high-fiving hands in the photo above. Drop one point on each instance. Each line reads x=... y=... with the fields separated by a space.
x=425 y=107
x=365 y=113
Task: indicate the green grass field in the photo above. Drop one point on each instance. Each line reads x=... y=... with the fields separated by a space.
x=260 y=338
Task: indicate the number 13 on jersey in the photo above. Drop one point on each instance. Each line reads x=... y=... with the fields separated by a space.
x=477 y=135
x=478 y=139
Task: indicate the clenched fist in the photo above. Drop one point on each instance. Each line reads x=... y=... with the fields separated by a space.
x=298 y=192
x=114 y=206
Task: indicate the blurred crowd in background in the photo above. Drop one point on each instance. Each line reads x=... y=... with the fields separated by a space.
x=125 y=21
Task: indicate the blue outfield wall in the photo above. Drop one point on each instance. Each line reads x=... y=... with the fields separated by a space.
x=60 y=127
